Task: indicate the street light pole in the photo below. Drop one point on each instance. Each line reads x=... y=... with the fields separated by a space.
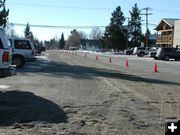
x=147 y=14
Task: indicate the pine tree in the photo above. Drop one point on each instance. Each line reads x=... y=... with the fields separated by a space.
x=135 y=30
x=27 y=32
x=3 y=14
x=115 y=33
x=62 y=41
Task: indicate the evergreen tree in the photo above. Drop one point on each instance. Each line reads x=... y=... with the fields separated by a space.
x=62 y=41
x=115 y=33
x=3 y=14
x=27 y=33
x=135 y=31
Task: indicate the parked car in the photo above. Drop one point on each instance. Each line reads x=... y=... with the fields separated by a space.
x=118 y=53
x=23 y=51
x=6 y=67
x=73 y=48
x=43 y=49
x=37 y=48
x=168 y=53
x=129 y=51
x=141 y=51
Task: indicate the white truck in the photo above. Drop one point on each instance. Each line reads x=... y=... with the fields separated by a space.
x=141 y=51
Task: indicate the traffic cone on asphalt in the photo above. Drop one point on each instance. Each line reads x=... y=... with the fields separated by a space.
x=96 y=57
x=155 y=68
x=110 y=60
x=126 y=63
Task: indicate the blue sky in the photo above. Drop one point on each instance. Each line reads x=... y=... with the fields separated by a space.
x=81 y=13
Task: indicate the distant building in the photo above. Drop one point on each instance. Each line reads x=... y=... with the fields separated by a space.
x=168 y=33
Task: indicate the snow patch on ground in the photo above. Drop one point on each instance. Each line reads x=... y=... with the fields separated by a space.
x=4 y=86
x=42 y=57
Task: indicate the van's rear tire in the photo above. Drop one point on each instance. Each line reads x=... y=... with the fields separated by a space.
x=18 y=61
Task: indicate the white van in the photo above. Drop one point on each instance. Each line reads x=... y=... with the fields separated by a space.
x=5 y=56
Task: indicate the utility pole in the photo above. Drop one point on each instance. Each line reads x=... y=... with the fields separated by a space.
x=147 y=14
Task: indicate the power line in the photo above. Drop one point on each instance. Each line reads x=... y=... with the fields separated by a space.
x=64 y=19
x=63 y=26
x=167 y=11
x=53 y=26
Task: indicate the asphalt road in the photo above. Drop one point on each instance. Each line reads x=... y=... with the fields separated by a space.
x=143 y=64
x=69 y=94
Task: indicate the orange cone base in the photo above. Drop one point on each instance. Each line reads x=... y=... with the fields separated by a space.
x=126 y=63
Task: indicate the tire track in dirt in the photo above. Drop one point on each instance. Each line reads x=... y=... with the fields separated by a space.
x=168 y=104
x=136 y=96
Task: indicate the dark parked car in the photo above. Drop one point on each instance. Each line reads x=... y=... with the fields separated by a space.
x=168 y=53
x=38 y=48
x=43 y=49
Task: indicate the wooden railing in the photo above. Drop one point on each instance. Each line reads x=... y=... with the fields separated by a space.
x=164 y=39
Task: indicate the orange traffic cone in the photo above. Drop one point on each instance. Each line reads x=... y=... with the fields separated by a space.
x=126 y=63
x=155 y=68
x=96 y=57
x=110 y=60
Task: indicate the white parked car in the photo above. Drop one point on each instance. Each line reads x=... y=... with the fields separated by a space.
x=141 y=51
x=23 y=51
x=6 y=67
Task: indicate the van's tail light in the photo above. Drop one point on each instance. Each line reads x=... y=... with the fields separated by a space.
x=5 y=57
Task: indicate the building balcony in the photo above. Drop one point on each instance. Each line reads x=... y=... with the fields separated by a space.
x=164 y=39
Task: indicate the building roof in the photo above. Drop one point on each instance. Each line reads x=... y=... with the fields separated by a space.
x=169 y=21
